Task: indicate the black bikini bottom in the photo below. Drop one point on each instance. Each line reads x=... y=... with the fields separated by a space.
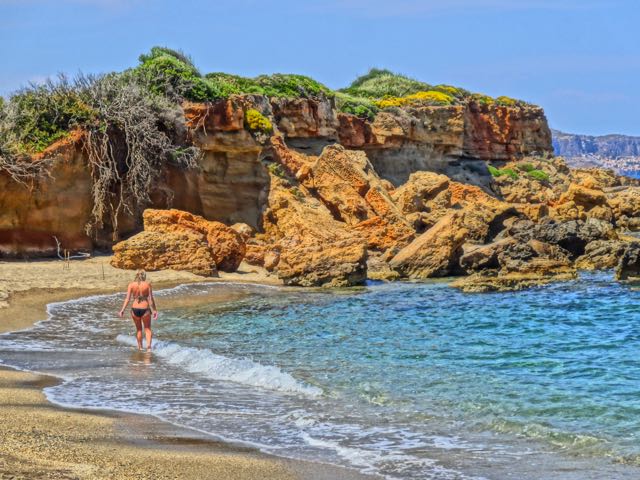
x=139 y=312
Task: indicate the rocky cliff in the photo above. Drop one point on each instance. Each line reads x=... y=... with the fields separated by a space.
x=232 y=183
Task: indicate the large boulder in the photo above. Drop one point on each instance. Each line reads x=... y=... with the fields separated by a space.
x=580 y=203
x=421 y=188
x=312 y=264
x=625 y=203
x=152 y=250
x=226 y=244
x=523 y=187
x=435 y=253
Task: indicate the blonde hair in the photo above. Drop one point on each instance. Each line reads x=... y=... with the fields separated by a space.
x=141 y=276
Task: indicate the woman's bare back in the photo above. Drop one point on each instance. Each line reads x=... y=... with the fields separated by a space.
x=140 y=292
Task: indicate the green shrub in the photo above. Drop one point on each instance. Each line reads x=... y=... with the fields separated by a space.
x=229 y=84
x=358 y=106
x=503 y=172
x=539 y=175
x=510 y=173
x=290 y=85
x=164 y=51
x=276 y=170
x=493 y=171
x=167 y=75
x=380 y=83
x=256 y=122
x=39 y=115
x=525 y=167
x=277 y=85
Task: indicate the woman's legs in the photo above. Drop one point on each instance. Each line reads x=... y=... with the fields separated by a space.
x=138 y=323
x=146 y=320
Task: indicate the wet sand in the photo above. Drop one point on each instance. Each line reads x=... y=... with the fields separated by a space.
x=40 y=440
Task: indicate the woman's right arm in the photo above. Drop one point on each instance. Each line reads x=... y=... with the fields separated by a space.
x=126 y=301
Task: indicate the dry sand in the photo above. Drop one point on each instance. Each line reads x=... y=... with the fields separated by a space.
x=39 y=440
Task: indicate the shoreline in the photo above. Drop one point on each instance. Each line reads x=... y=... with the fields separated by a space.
x=23 y=301
x=115 y=444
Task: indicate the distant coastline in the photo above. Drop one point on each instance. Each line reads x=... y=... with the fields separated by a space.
x=620 y=153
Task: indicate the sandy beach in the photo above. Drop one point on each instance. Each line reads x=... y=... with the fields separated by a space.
x=42 y=440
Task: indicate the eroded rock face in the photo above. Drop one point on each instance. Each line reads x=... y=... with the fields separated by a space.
x=227 y=245
x=435 y=138
x=625 y=204
x=505 y=133
x=346 y=183
x=152 y=250
x=56 y=206
x=580 y=203
x=314 y=248
x=232 y=184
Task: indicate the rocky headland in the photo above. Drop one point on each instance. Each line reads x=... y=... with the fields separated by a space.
x=326 y=188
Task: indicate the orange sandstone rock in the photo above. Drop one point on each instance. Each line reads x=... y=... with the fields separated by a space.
x=154 y=250
x=227 y=245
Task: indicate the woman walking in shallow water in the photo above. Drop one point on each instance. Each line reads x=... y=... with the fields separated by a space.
x=144 y=305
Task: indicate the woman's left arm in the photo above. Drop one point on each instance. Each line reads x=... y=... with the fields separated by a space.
x=152 y=302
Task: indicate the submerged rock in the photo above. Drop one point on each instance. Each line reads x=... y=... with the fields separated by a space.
x=629 y=265
x=573 y=236
x=494 y=281
x=602 y=255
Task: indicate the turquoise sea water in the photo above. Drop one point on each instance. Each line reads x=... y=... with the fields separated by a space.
x=403 y=380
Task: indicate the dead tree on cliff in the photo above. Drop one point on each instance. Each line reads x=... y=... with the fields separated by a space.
x=128 y=145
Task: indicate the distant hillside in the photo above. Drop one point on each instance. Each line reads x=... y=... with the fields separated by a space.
x=619 y=152
x=611 y=146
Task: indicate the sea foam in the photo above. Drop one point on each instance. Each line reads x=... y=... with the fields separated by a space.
x=218 y=367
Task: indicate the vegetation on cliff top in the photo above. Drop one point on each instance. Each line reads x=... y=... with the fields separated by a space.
x=387 y=89
x=41 y=114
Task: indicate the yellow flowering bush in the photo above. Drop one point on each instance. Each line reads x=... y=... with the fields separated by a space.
x=438 y=98
x=430 y=98
x=257 y=122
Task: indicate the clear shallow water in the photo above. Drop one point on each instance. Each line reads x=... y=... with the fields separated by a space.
x=404 y=380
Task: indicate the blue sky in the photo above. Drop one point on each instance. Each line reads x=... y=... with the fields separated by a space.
x=580 y=60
